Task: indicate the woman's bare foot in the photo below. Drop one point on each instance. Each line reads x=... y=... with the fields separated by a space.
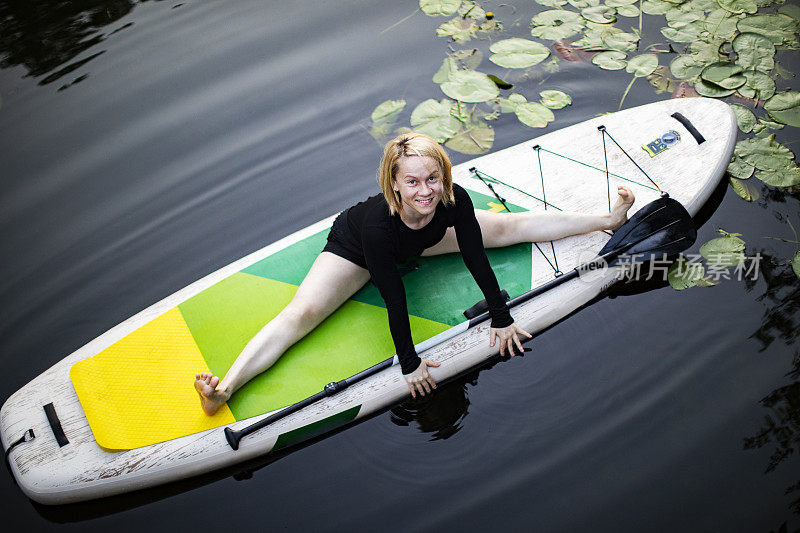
x=619 y=213
x=210 y=398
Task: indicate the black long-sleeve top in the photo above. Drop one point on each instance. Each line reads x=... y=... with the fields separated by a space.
x=385 y=241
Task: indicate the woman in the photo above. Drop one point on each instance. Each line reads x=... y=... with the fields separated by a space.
x=421 y=212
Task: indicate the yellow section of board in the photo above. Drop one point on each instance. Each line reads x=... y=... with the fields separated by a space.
x=113 y=402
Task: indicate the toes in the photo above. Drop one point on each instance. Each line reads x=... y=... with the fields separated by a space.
x=214 y=382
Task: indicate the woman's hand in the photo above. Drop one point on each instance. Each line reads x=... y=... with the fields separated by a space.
x=508 y=338
x=420 y=380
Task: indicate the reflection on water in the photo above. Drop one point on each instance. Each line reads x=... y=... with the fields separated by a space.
x=781 y=321
x=43 y=35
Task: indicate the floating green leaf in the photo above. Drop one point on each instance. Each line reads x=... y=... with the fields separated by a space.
x=721 y=24
x=725 y=251
x=656 y=7
x=791 y=10
x=439 y=7
x=739 y=168
x=501 y=84
x=534 y=114
x=683 y=274
x=678 y=19
x=738 y=6
x=685 y=67
x=611 y=60
x=686 y=34
x=509 y=105
x=472 y=10
x=706 y=51
x=757 y=85
x=620 y=3
x=461 y=59
x=785 y=107
x=796 y=264
x=755 y=52
x=788 y=176
x=764 y=153
x=771 y=125
x=600 y=14
x=642 y=65
x=583 y=4
x=555 y=99
x=435 y=119
x=556 y=24
x=628 y=11
x=717 y=72
x=518 y=53
x=388 y=110
x=744 y=189
x=779 y=29
x=551 y=3
x=470 y=86
x=744 y=118
x=711 y=90
x=459 y=29
x=475 y=139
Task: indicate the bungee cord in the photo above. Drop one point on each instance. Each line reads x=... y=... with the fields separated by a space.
x=489 y=180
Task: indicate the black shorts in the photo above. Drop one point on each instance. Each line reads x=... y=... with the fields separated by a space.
x=342 y=243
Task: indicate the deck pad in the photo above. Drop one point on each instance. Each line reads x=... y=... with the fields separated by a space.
x=139 y=391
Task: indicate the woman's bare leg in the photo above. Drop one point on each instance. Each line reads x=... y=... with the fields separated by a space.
x=505 y=229
x=329 y=283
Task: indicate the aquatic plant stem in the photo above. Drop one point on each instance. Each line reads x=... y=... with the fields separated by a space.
x=626 y=92
x=400 y=22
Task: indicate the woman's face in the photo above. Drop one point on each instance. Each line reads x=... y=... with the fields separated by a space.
x=419 y=182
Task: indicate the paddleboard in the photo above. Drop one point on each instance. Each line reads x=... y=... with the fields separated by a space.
x=75 y=432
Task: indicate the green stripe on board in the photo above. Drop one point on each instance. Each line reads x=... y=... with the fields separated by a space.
x=316 y=428
x=440 y=290
x=223 y=318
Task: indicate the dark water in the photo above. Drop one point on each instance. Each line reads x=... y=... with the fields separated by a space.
x=148 y=144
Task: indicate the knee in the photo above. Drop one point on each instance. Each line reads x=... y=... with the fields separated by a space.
x=302 y=313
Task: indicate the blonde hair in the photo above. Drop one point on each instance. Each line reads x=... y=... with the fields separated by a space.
x=412 y=144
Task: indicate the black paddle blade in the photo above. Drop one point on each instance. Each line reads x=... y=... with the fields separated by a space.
x=661 y=227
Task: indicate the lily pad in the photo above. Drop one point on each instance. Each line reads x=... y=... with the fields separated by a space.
x=388 y=110
x=461 y=59
x=796 y=264
x=620 y=41
x=739 y=168
x=551 y=3
x=656 y=7
x=706 y=51
x=711 y=90
x=777 y=28
x=721 y=24
x=459 y=29
x=583 y=4
x=477 y=138
x=755 y=52
x=620 y=3
x=757 y=85
x=470 y=86
x=611 y=60
x=509 y=105
x=556 y=24
x=628 y=11
x=435 y=119
x=744 y=189
x=600 y=14
x=788 y=176
x=683 y=274
x=764 y=153
x=439 y=7
x=738 y=6
x=785 y=108
x=685 y=67
x=717 y=72
x=685 y=34
x=534 y=114
x=642 y=65
x=518 y=53
x=472 y=10
x=744 y=118
x=677 y=18
x=555 y=99
x=725 y=251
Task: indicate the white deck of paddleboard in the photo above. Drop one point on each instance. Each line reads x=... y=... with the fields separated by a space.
x=688 y=172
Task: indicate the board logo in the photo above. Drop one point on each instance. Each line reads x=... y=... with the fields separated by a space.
x=663 y=143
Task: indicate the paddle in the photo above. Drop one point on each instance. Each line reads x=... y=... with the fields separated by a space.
x=661 y=227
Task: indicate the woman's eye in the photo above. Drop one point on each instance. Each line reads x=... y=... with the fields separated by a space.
x=412 y=182
x=432 y=178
